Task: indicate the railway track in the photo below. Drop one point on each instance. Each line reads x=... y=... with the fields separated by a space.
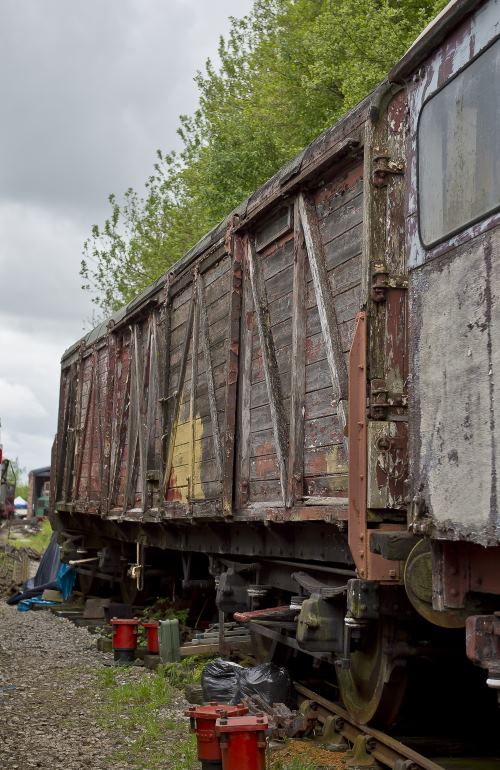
x=371 y=748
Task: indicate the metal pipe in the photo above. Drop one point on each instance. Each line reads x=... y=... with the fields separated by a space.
x=313 y=567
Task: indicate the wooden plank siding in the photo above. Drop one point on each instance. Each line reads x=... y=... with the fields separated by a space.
x=317 y=460
x=216 y=396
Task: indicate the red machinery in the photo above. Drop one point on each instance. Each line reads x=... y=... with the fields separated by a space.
x=203 y=720
x=152 y=632
x=242 y=741
x=124 y=638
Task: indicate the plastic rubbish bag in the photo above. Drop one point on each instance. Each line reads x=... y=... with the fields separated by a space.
x=220 y=681
x=266 y=680
x=66 y=577
x=226 y=682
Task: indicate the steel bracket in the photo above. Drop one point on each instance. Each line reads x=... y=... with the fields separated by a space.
x=383 y=166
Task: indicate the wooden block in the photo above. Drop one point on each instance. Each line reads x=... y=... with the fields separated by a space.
x=198 y=649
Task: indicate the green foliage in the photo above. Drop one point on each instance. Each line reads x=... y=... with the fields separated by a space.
x=187 y=671
x=16 y=474
x=106 y=677
x=39 y=541
x=287 y=71
x=22 y=491
x=165 y=609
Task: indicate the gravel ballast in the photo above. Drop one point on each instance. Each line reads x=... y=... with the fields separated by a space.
x=49 y=696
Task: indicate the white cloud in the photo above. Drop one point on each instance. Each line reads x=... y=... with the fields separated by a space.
x=19 y=401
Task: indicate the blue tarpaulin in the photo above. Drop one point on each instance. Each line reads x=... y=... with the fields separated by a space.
x=66 y=577
x=26 y=604
x=51 y=573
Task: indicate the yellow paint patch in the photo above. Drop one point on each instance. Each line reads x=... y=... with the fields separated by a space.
x=335 y=461
x=186 y=469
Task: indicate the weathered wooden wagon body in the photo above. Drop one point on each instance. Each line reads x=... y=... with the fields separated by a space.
x=305 y=403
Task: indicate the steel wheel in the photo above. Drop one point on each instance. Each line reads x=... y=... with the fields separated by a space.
x=373 y=688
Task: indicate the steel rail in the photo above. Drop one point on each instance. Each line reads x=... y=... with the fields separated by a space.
x=385 y=749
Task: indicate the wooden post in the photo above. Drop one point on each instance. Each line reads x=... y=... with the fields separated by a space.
x=194 y=387
x=122 y=425
x=205 y=342
x=298 y=386
x=245 y=355
x=271 y=371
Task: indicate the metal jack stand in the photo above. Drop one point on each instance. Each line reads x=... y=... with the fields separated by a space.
x=359 y=758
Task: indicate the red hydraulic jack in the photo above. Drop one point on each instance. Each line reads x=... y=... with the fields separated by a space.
x=242 y=741
x=124 y=639
x=203 y=720
x=152 y=631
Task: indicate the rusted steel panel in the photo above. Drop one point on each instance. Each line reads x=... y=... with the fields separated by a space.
x=387 y=464
x=456 y=365
x=369 y=565
x=454 y=331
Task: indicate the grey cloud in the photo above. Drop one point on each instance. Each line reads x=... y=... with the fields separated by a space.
x=93 y=88
x=89 y=90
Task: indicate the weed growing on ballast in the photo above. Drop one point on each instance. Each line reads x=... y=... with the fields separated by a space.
x=186 y=671
x=140 y=706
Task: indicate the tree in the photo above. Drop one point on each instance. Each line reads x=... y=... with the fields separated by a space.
x=16 y=473
x=287 y=71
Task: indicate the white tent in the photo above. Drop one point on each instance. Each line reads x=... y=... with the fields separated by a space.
x=20 y=502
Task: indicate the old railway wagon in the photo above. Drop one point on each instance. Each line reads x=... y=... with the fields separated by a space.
x=304 y=411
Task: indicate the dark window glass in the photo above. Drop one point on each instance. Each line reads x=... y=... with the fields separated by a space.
x=459 y=150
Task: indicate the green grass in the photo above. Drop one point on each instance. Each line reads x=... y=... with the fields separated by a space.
x=136 y=709
x=38 y=541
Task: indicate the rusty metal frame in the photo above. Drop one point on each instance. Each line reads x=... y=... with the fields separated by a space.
x=369 y=565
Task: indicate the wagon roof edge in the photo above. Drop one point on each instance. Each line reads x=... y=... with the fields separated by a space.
x=330 y=139
x=433 y=34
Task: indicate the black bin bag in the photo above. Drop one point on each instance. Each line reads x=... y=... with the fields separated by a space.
x=220 y=681
x=268 y=681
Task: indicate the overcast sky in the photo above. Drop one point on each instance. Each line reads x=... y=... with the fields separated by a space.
x=89 y=89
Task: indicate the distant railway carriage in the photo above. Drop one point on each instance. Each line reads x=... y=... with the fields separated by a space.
x=305 y=410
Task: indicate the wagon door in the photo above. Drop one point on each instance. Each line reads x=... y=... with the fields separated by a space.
x=201 y=386
x=301 y=294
